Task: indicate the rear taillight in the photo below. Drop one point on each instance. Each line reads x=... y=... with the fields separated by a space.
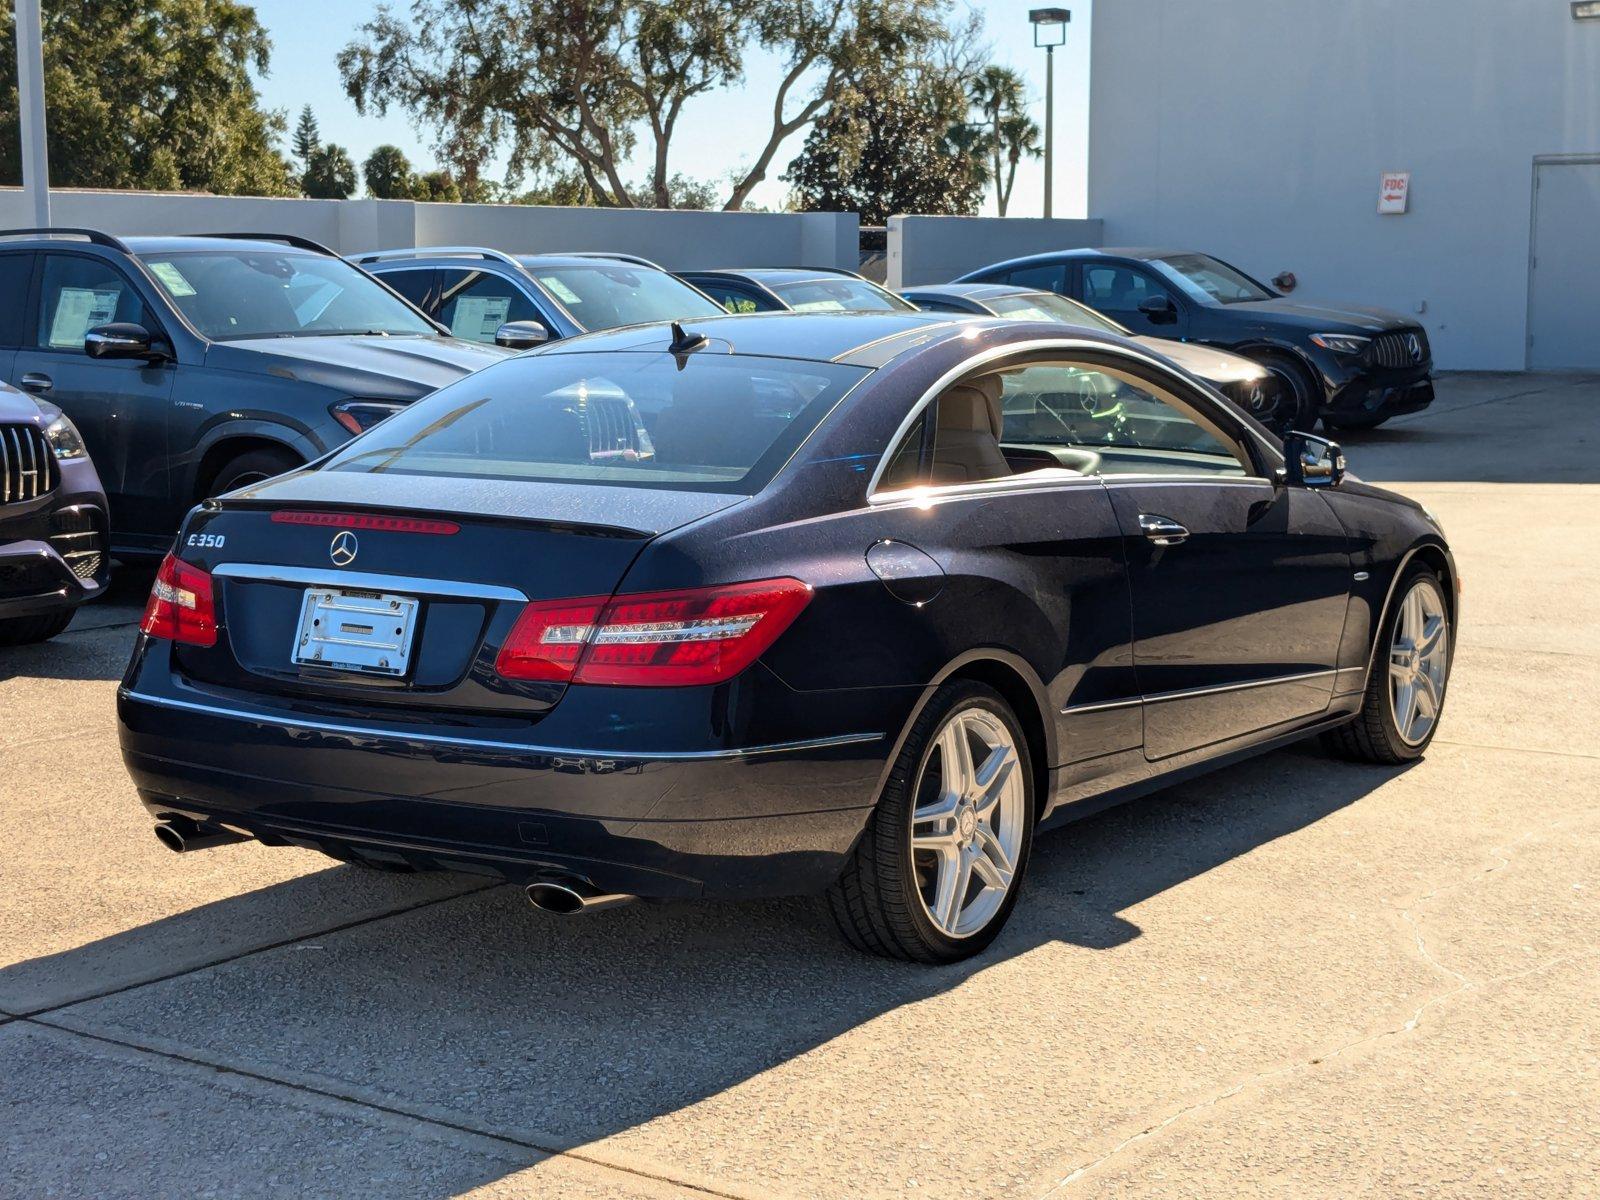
x=182 y=606
x=347 y=520
x=652 y=639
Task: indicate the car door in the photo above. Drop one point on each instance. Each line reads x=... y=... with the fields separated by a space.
x=121 y=406
x=1134 y=296
x=16 y=277
x=475 y=303
x=1239 y=583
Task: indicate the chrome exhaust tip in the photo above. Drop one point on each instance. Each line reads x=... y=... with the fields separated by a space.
x=572 y=898
x=181 y=836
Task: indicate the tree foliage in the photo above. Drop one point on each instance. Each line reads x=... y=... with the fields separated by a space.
x=307 y=136
x=151 y=94
x=330 y=174
x=387 y=172
x=575 y=85
x=1007 y=132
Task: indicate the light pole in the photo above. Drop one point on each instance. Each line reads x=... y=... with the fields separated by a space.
x=30 y=104
x=1049 y=31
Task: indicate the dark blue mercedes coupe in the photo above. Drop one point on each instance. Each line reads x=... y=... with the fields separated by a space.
x=777 y=605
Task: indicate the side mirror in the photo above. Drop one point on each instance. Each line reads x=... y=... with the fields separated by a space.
x=122 y=339
x=1159 y=309
x=1311 y=462
x=521 y=335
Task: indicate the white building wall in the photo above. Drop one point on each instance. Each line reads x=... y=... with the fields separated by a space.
x=938 y=249
x=1257 y=130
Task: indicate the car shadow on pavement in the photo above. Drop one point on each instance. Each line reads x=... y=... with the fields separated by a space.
x=564 y=1032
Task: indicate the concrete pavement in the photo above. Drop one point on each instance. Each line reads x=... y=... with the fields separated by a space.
x=1295 y=977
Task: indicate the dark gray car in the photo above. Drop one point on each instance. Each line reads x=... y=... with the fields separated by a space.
x=193 y=365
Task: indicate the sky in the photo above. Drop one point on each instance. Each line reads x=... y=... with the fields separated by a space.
x=718 y=131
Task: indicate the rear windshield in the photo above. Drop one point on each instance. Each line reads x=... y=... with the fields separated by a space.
x=608 y=295
x=1043 y=306
x=840 y=295
x=720 y=423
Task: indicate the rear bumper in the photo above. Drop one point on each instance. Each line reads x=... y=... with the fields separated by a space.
x=763 y=820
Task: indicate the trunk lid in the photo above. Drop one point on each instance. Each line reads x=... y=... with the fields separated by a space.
x=511 y=542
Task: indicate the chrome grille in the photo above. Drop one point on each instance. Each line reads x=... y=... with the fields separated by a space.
x=76 y=537
x=28 y=469
x=1406 y=348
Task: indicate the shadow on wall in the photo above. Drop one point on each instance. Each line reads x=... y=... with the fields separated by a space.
x=484 y=1012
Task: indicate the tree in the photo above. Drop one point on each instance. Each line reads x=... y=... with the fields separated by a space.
x=151 y=94
x=882 y=148
x=307 y=137
x=388 y=173
x=437 y=186
x=1001 y=97
x=567 y=85
x=330 y=174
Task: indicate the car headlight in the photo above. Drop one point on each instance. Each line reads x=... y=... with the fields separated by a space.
x=65 y=440
x=358 y=416
x=1342 y=343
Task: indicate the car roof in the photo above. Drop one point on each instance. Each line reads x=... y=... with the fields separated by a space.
x=973 y=291
x=861 y=339
x=584 y=260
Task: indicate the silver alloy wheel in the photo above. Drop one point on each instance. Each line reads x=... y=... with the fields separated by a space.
x=967 y=829
x=1419 y=661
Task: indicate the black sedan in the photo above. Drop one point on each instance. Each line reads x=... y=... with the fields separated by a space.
x=1350 y=365
x=771 y=606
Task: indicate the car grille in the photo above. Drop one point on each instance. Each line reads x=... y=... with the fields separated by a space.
x=77 y=538
x=28 y=469
x=1406 y=348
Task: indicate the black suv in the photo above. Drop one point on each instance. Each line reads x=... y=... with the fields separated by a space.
x=1355 y=367
x=194 y=365
x=526 y=299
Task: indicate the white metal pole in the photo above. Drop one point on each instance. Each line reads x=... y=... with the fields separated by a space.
x=30 y=102
x=1050 y=128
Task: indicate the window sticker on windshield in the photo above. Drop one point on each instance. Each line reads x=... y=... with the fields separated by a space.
x=478 y=317
x=171 y=278
x=563 y=293
x=79 y=310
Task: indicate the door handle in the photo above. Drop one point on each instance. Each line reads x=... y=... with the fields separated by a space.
x=33 y=381
x=1162 y=531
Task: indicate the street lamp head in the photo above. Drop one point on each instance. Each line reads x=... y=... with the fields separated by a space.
x=1049 y=25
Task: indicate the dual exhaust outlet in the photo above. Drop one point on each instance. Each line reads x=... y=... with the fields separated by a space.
x=563 y=897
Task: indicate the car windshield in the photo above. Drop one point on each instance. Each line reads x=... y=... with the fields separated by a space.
x=1042 y=306
x=840 y=295
x=231 y=294
x=607 y=295
x=1207 y=278
x=707 y=422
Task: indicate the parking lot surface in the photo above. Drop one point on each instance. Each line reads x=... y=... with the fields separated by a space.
x=1295 y=977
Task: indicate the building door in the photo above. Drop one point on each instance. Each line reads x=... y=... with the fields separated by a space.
x=1564 y=271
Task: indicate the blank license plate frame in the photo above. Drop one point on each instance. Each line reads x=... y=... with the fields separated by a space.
x=345 y=630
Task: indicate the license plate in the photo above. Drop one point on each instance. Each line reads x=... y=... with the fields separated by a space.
x=355 y=631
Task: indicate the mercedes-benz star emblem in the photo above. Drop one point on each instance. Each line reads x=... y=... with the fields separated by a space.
x=344 y=547
x=1414 y=345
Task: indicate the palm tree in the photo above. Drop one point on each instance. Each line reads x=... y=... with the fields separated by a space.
x=1001 y=96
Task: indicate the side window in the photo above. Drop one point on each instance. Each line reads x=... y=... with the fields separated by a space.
x=476 y=303
x=78 y=293
x=1045 y=278
x=905 y=467
x=413 y=285
x=16 y=271
x=732 y=297
x=1117 y=289
x=1104 y=421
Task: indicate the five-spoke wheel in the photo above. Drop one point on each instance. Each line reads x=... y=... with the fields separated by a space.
x=935 y=875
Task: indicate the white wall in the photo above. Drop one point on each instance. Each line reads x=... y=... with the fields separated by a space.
x=678 y=239
x=1257 y=129
x=938 y=249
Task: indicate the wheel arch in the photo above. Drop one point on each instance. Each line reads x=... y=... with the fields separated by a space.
x=1253 y=347
x=233 y=442
x=1011 y=676
x=1435 y=555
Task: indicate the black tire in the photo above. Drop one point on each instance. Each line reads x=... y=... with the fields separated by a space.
x=252 y=467
x=1298 y=408
x=24 y=631
x=876 y=901
x=1373 y=736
